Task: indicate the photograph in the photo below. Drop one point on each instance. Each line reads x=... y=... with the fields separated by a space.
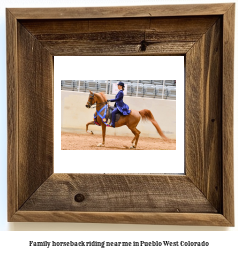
x=128 y=114
x=130 y=118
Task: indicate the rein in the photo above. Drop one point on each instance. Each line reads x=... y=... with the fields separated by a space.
x=102 y=103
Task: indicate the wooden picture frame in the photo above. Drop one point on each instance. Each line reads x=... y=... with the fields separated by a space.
x=204 y=34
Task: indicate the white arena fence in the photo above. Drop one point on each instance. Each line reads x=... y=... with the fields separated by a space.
x=160 y=89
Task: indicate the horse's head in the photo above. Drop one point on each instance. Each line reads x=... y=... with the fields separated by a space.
x=91 y=100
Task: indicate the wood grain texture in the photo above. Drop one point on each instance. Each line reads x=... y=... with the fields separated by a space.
x=203 y=143
x=189 y=26
x=197 y=219
x=35 y=114
x=114 y=193
x=12 y=114
x=121 y=11
x=174 y=36
x=227 y=112
x=71 y=48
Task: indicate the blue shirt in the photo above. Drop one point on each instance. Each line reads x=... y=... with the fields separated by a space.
x=121 y=106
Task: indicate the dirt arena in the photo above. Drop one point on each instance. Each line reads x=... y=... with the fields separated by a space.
x=72 y=141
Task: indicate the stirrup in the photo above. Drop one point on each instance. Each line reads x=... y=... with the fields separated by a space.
x=111 y=125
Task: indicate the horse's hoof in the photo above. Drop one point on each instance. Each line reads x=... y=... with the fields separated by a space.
x=90 y=132
x=100 y=145
x=133 y=147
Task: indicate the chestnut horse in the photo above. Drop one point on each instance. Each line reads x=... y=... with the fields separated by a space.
x=131 y=120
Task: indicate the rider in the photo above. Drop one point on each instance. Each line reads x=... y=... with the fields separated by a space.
x=120 y=106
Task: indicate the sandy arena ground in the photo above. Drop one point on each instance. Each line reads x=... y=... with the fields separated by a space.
x=72 y=141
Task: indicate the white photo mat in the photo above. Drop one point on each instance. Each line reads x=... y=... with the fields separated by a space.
x=125 y=68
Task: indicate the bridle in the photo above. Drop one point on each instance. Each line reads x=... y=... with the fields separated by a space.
x=91 y=97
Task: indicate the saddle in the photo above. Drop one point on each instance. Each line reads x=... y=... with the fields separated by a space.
x=109 y=114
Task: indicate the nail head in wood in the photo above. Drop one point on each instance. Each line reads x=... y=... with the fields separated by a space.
x=79 y=198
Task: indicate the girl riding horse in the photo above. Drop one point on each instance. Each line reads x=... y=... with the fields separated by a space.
x=131 y=120
x=120 y=106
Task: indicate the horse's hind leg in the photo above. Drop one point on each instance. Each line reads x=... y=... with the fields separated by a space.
x=89 y=123
x=133 y=140
x=136 y=138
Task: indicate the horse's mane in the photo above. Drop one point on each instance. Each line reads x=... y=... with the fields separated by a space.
x=103 y=96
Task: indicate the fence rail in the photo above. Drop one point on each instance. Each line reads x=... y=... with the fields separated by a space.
x=161 y=89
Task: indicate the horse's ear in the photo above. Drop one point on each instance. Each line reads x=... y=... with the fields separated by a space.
x=90 y=92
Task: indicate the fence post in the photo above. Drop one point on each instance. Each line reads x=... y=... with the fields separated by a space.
x=137 y=88
x=163 y=90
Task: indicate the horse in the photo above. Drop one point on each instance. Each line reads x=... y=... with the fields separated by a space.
x=131 y=120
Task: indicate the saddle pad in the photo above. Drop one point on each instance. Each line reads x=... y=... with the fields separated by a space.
x=110 y=114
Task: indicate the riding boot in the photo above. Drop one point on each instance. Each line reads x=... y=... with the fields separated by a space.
x=114 y=112
x=113 y=120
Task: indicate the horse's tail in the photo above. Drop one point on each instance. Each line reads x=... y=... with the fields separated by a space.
x=147 y=115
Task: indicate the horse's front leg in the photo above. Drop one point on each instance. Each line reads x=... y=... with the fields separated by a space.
x=103 y=135
x=89 y=123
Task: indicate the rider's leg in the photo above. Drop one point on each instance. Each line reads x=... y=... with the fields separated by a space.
x=114 y=112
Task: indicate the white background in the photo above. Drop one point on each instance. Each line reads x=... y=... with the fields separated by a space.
x=220 y=242
x=124 y=68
